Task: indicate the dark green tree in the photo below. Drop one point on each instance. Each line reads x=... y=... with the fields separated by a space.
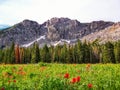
x=79 y=52
x=45 y=54
x=86 y=53
x=56 y=54
x=12 y=53
x=108 y=53
x=37 y=53
x=117 y=52
x=64 y=54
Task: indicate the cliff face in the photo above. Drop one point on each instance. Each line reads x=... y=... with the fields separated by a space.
x=51 y=32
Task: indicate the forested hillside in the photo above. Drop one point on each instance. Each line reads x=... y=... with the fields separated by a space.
x=81 y=52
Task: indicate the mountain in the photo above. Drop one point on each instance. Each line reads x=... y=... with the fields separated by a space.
x=20 y=33
x=111 y=33
x=52 y=32
x=3 y=26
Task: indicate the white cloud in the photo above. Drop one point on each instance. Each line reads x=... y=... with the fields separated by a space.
x=14 y=11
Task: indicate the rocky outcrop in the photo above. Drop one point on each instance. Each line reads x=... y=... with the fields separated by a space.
x=64 y=28
x=53 y=30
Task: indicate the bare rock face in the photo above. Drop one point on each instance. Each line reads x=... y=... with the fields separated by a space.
x=53 y=30
x=64 y=28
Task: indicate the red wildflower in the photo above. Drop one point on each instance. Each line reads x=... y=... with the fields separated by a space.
x=78 y=78
x=14 y=81
x=90 y=85
x=73 y=80
x=66 y=75
x=2 y=88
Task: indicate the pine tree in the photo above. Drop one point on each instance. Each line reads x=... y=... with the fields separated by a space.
x=56 y=54
x=22 y=55
x=1 y=56
x=64 y=54
x=86 y=53
x=12 y=53
x=108 y=53
x=45 y=54
x=6 y=56
x=79 y=52
x=37 y=53
x=69 y=55
x=17 y=53
x=117 y=52
x=75 y=54
x=27 y=55
x=51 y=50
x=33 y=52
x=96 y=51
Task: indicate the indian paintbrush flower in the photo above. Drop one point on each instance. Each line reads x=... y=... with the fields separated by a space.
x=66 y=75
x=90 y=85
x=73 y=80
x=78 y=78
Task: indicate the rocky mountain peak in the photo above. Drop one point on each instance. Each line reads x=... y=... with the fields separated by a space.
x=51 y=31
x=27 y=22
x=57 y=21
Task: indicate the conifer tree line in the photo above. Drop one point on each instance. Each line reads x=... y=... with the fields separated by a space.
x=81 y=52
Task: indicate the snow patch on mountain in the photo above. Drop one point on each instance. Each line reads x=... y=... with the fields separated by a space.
x=67 y=41
x=29 y=44
x=62 y=41
x=41 y=37
x=56 y=43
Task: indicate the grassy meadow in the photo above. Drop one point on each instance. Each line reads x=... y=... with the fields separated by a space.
x=44 y=76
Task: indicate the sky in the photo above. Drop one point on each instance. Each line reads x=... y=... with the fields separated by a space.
x=15 y=11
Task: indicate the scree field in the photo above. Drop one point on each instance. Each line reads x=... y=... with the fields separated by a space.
x=44 y=76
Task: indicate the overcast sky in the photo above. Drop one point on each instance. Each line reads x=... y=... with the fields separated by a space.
x=14 y=11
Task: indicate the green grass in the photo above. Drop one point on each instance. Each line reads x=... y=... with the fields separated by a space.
x=51 y=76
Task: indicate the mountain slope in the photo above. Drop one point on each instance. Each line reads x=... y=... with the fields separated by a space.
x=55 y=31
x=112 y=33
x=20 y=33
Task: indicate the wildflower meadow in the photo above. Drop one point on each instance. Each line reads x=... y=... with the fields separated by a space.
x=44 y=76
